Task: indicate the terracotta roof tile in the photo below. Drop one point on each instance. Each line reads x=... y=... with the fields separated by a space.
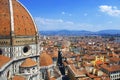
x=70 y=61
x=4 y=18
x=54 y=54
x=99 y=62
x=97 y=78
x=111 y=68
x=18 y=78
x=115 y=59
x=65 y=64
x=4 y=60
x=45 y=59
x=28 y=63
x=76 y=71
x=23 y=23
x=52 y=78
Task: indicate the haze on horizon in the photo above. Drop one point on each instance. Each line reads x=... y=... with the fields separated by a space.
x=90 y=15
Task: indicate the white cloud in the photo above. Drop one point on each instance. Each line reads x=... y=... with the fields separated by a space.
x=59 y=24
x=85 y=14
x=44 y=21
x=110 y=10
x=70 y=14
x=52 y=24
x=65 y=13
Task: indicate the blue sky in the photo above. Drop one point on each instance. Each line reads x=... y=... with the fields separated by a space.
x=91 y=15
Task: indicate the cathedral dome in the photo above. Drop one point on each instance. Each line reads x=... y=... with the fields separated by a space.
x=45 y=59
x=4 y=60
x=28 y=63
x=15 y=19
x=18 y=78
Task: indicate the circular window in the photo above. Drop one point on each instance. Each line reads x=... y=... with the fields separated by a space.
x=1 y=52
x=26 y=49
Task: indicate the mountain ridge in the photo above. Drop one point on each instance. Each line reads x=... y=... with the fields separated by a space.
x=79 y=32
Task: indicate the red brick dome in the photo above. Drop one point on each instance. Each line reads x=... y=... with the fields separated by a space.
x=28 y=63
x=45 y=59
x=14 y=18
x=18 y=78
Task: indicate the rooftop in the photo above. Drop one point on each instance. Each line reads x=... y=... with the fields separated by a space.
x=4 y=60
x=45 y=59
x=28 y=63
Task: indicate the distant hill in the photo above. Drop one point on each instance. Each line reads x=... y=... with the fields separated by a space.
x=79 y=33
x=66 y=32
x=109 y=32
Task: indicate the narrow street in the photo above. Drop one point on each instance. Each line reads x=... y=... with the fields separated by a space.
x=62 y=70
x=65 y=77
